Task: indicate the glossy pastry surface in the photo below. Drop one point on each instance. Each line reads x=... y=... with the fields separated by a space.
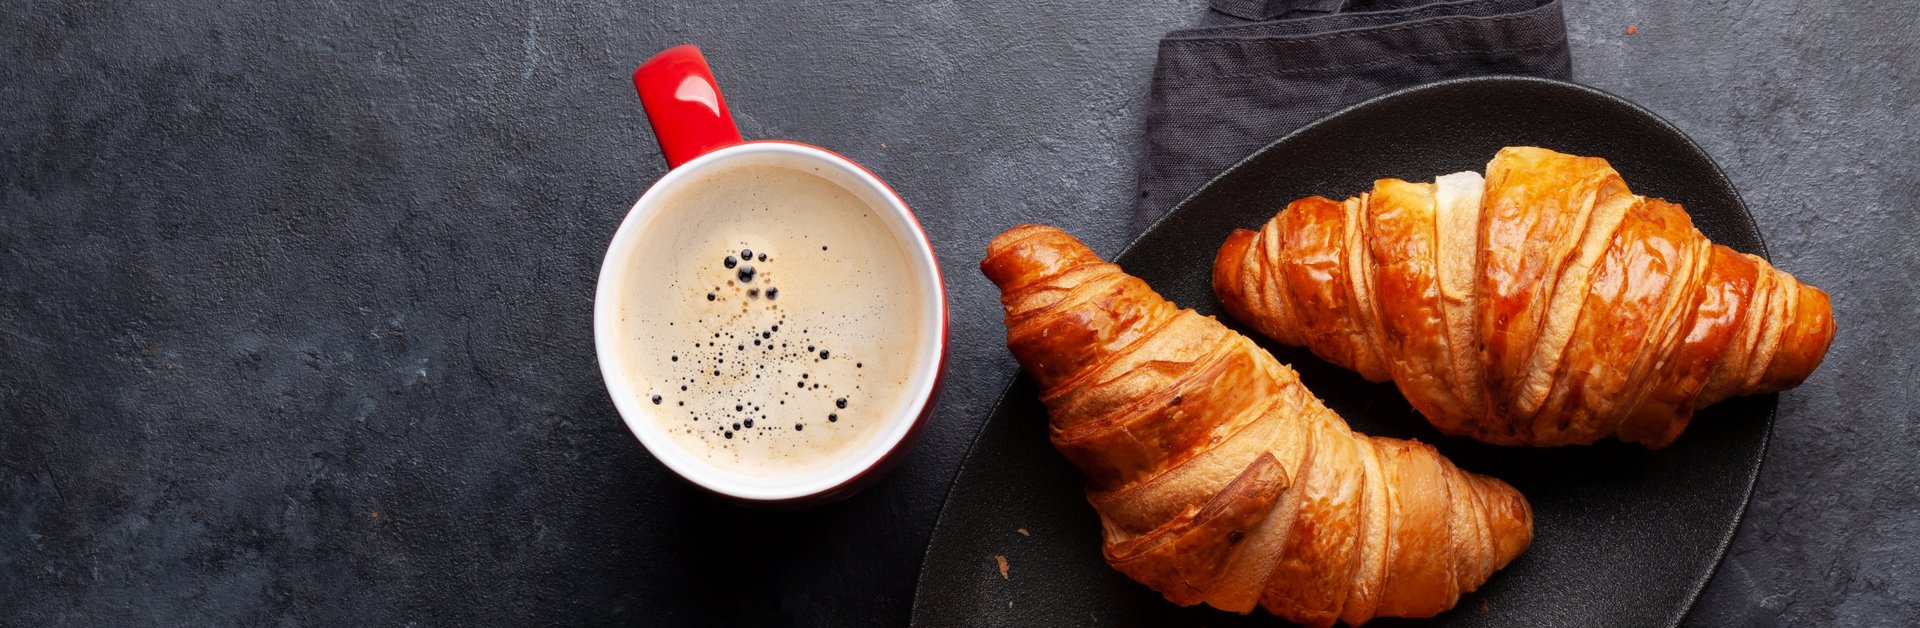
x=1218 y=477
x=1544 y=304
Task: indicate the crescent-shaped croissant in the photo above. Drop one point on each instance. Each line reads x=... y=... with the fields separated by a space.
x=1545 y=304
x=1218 y=477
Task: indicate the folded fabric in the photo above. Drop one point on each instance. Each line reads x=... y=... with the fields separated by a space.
x=1257 y=69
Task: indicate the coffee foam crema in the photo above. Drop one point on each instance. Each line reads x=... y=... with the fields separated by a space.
x=773 y=322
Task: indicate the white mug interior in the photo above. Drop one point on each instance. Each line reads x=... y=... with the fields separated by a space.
x=618 y=269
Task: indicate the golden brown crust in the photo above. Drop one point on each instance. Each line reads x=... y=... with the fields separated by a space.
x=1548 y=305
x=1218 y=477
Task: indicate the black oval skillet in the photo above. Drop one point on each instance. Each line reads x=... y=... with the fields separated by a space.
x=1623 y=536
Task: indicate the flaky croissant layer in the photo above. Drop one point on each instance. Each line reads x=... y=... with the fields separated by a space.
x=1545 y=304
x=1218 y=477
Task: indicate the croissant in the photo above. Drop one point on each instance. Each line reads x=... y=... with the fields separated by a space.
x=1217 y=476
x=1545 y=304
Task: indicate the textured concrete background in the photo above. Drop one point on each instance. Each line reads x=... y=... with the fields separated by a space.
x=294 y=303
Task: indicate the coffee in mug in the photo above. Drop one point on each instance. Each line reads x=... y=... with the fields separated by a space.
x=770 y=319
x=775 y=321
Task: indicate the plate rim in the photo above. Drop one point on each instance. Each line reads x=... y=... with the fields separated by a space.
x=1725 y=543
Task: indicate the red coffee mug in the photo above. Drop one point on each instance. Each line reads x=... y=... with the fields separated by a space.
x=698 y=138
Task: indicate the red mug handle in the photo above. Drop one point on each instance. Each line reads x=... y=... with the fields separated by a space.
x=684 y=106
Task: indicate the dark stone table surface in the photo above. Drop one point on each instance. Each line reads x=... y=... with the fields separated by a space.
x=294 y=300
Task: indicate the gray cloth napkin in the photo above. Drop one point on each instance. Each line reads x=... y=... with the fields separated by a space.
x=1260 y=68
